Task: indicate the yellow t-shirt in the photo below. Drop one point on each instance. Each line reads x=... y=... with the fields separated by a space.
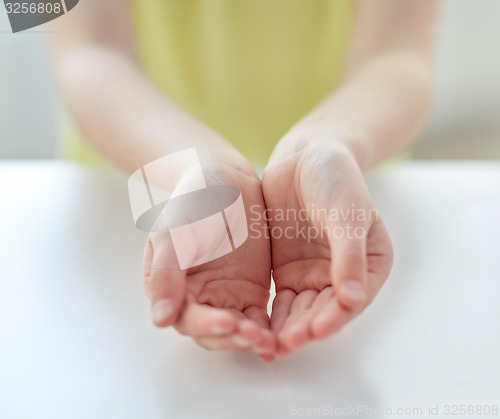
x=247 y=68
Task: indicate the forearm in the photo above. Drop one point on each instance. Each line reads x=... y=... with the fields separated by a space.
x=124 y=116
x=376 y=112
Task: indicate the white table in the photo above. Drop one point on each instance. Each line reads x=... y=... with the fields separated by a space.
x=76 y=340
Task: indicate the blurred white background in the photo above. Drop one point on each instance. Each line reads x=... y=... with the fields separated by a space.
x=465 y=120
x=28 y=108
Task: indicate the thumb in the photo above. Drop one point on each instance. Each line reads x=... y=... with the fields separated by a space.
x=164 y=282
x=348 y=266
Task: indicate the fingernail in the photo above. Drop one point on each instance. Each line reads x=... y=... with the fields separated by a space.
x=263 y=351
x=241 y=341
x=218 y=330
x=352 y=290
x=162 y=310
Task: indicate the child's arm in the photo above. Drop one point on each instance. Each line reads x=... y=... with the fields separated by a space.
x=117 y=109
x=385 y=95
x=326 y=278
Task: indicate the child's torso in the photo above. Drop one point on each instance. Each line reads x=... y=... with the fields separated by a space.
x=248 y=68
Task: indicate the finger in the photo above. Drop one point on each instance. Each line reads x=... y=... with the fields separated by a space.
x=282 y=304
x=221 y=343
x=295 y=332
x=334 y=315
x=229 y=343
x=282 y=350
x=258 y=315
x=380 y=257
x=267 y=340
x=263 y=343
x=163 y=282
x=251 y=336
x=300 y=332
x=330 y=319
x=202 y=320
x=253 y=333
x=348 y=268
x=248 y=337
x=267 y=343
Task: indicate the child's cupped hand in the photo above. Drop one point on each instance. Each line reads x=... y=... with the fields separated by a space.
x=221 y=304
x=337 y=253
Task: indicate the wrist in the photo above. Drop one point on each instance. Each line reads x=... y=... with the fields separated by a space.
x=228 y=167
x=226 y=162
x=303 y=143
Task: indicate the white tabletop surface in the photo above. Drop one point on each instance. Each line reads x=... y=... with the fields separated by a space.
x=76 y=339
